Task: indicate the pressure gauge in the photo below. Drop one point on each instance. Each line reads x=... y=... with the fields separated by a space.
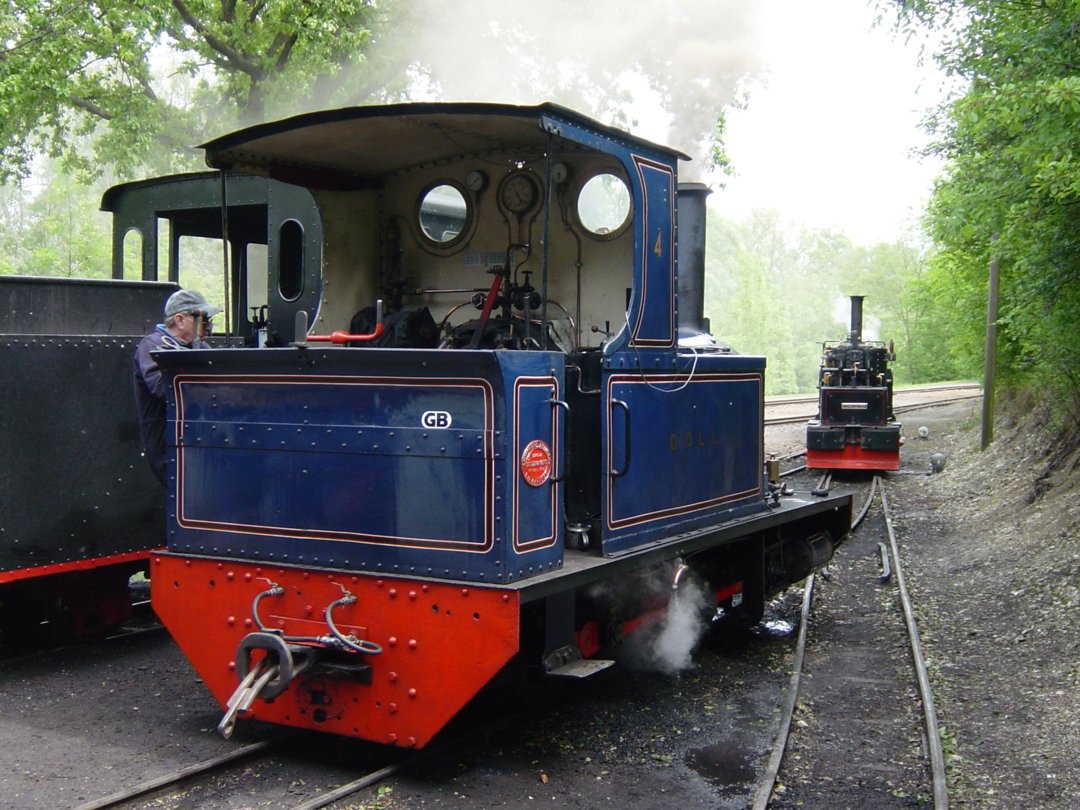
x=519 y=192
x=475 y=180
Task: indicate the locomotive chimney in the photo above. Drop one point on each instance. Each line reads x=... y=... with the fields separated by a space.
x=856 y=318
x=691 y=256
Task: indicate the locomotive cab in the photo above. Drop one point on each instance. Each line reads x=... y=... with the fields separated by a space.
x=449 y=403
x=522 y=246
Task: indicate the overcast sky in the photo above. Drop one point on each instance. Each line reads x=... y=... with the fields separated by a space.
x=827 y=140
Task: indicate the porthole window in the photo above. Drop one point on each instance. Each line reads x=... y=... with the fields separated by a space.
x=443 y=214
x=603 y=205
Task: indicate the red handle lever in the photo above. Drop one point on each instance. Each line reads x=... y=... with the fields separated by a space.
x=344 y=337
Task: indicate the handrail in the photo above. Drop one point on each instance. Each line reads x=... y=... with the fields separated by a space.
x=340 y=336
x=615 y=472
x=556 y=404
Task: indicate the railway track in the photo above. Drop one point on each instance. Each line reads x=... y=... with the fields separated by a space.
x=162 y=783
x=238 y=778
x=778 y=410
x=871 y=703
x=856 y=698
x=311 y=770
x=88 y=711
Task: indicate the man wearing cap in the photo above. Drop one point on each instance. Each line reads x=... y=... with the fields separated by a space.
x=187 y=322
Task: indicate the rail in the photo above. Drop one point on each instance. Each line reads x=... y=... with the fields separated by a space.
x=937 y=758
x=181 y=775
x=767 y=784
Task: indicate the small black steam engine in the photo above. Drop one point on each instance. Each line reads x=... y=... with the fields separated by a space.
x=855 y=427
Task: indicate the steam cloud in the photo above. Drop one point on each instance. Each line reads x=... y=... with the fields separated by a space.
x=679 y=61
x=682 y=628
x=669 y=646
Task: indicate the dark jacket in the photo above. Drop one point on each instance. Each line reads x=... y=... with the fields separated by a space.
x=150 y=391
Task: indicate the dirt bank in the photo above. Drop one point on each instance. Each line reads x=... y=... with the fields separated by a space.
x=993 y=548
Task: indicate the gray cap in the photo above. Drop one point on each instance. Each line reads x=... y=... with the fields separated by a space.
x=189 y=301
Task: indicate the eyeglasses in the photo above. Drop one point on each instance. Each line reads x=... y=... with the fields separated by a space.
x=195 y=313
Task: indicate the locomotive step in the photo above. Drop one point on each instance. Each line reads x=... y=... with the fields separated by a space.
x=581 y=668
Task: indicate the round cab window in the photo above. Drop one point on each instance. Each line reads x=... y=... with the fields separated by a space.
x=444 y=213
x=603 y=205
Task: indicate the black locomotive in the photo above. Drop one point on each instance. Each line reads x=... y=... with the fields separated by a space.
x=79 y=508
x=855 y=427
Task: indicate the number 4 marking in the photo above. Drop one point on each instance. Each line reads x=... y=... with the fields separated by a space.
x=657 y=247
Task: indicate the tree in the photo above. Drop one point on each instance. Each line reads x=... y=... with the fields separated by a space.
x=1010 y=141
x=778 y=292
x=69 y=68
x=949 y=312
x=12 y=224
x=153 y=77
x=54 y=232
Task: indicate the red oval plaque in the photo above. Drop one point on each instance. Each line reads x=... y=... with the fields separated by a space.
x=536 y=463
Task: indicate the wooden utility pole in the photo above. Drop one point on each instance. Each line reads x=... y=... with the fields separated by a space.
x=991 y=346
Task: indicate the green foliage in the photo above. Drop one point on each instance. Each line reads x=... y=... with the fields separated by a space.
x=151 y=79
x=55 y=232
x=12 y=218
x=1010 y=141
x=780 y=293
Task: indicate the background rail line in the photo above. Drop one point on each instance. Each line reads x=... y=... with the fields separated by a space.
x=807 y=415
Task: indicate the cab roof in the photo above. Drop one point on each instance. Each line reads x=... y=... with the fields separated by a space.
x=356 y=145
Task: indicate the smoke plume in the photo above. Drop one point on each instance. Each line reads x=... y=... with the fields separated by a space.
x=668 y=66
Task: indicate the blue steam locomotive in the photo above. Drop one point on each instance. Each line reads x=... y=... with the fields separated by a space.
x=462 y=418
